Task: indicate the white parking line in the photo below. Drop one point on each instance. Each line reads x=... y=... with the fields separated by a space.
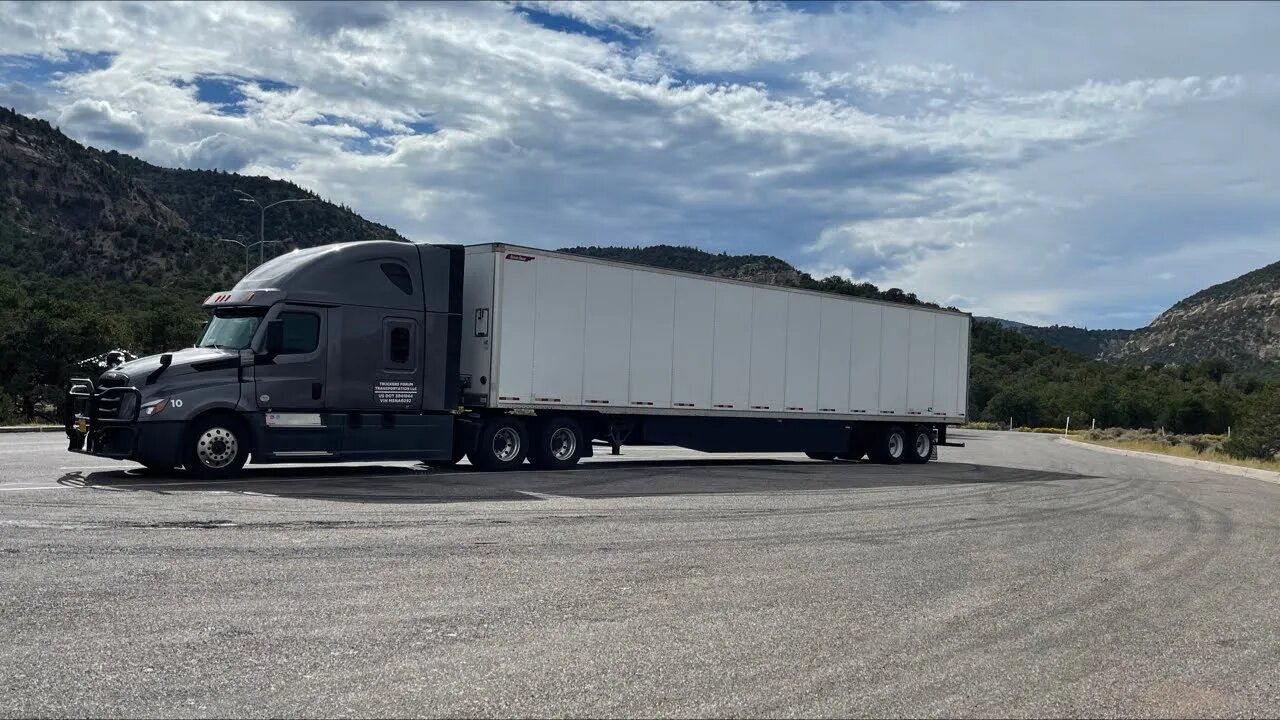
x=545 y=496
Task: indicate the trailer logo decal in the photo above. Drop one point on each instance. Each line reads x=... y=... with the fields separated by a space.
x=517 y=256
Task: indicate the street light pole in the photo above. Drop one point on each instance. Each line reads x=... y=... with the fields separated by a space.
x=262 y=216
x=260 y=244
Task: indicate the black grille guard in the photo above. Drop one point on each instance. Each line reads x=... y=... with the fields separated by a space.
x=82 y=402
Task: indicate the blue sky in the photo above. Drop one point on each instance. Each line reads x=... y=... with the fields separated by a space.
x=1079 y=163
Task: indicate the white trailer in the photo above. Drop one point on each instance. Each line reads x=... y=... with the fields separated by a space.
x=630 y=353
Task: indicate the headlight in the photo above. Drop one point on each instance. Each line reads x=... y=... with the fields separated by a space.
x=155 y=407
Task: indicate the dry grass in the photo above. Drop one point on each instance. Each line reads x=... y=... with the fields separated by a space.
x=1182 y=450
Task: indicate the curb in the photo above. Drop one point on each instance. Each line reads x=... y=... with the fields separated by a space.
x=1263 y=475
x=30 y=429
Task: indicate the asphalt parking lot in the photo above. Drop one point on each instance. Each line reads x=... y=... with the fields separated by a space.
x=1019 y=576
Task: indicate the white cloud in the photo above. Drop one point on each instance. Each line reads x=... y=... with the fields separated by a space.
x=981 y=154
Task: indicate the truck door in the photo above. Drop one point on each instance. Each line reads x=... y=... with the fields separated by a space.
x=386 y=419
x=295 y=378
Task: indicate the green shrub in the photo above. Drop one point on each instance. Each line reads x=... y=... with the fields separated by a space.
x=1258 y=433
x=8 y=410
x=983 y=426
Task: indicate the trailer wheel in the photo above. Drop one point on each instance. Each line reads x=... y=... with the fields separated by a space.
x=919 y=444
x=820 y=455
x=888 y=445
x=502 y=444
x=558 y=444
x=216 y=446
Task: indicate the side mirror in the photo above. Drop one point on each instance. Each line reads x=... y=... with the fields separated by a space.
x=274 y=341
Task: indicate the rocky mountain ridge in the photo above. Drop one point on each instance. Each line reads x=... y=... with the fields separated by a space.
x=1237 y=321
x=72 y=211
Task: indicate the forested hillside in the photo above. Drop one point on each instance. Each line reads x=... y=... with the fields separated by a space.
x=101 y=250
x=1086 y=343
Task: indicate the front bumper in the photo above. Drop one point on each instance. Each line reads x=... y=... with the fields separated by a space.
x=104 y=423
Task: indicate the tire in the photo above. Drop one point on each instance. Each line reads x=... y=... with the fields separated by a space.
x=558 y=444
x=888 y=445
x=820 y=455
x=502 y=444
x=216 y=446
x=919 y=444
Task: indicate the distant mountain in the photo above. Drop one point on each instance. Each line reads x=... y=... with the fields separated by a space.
x=1001 y=321
x=1237 y=321
x=71 y=211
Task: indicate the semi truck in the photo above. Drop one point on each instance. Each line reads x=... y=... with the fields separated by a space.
x=502 y=354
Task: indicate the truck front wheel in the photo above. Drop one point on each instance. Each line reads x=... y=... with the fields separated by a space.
x=888 y=445
x=559 y=444
x=216 y=446
x=502 y=444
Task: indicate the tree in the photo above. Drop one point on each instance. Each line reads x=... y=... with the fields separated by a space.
x=1258 y=432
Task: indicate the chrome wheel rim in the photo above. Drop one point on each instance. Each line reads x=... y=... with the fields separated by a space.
x=217 y=447
x=923 y=445
x=896 y=445
x=564 y=443
x=506 y=444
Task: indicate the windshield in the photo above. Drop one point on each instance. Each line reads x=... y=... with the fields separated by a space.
x=231 y=329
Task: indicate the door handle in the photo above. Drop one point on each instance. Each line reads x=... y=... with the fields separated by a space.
x=316 y=389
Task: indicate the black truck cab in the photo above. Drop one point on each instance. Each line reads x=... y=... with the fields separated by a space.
x=337 y=353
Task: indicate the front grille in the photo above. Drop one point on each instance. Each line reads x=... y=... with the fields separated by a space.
x=113 y=405
x=108 y=408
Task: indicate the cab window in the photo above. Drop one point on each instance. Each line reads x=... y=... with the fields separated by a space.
x=301 y=332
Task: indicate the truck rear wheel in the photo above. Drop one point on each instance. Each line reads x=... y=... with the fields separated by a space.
x=216 y=446
x=558 y=444
x=888 y=445
x=502 y=444
x=919 y=444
